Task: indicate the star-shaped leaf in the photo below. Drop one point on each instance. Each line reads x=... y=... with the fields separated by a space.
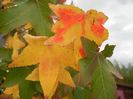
x=75 y=23
x=52 y=62
x=34 y=11
x=97 y=69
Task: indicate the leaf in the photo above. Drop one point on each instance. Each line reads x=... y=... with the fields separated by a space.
x=52 y=61
x=97 y=69
x=2 y=40
x=2 y=74
x=88 y=64
x=113 y=70
x=38 y=87
x=65 y=97
x=89 y=25
x=34 y=11
x=17 y=75
x=28 y=26
x=103 y=84
x=4 y=2
x=82 y=93
x=72 y=71
x=26 y=89
x=34 y=76
x=9 y=41
x=16 y=44
x=5 y=54
x=108 y=50
x=14 y=90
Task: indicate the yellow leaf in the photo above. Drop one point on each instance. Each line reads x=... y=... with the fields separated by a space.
x=28 y=26
x=52 y=61
x=4 y=2
x=9 y=41
x=65 y=77
x=34 y=76
x=13 y=91
x=14 y=43
x=75 y=23
x=17 y=44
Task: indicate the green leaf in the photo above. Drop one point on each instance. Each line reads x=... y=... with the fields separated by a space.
x=82 y=93
x=95 y=68
x=2 y=74
x=108 y=50
x=17 y=75
x=2 y=40
x=90 y=47
x=5 y=54
x=26 y=89
x=87 y=67
x=27 y=11
x=72 y=71
x=113 y=70
x=38 y=87
x=103 y=83
x=88 y=64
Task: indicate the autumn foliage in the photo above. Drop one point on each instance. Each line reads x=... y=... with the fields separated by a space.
x=51 y=50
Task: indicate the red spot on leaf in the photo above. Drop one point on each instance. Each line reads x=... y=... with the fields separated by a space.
x=98 y=29
x=45 y=97
x=100 y=20
x=81 y=50
x=59 y=36
x=63 y=0
x=69 y=17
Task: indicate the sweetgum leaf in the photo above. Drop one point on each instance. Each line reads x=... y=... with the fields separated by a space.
x=26 y=89
x=5 y=54
x=2 y=40
x=92 y=49
x=87 y=24
x=72 y=71
x=87 y=67
x=37 y=13
x=113 y=70
x=38 y=87
x=51 y=68
x=108 y=50
x=96 y=69
x=5 y=57
x=88 y=64
x=17 y=75
x=103 y=83
x=82 y=93
x=2 y=74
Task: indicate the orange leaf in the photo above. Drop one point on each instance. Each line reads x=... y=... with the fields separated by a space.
x=75 y=23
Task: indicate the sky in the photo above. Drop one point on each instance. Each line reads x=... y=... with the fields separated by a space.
x=119 y=25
